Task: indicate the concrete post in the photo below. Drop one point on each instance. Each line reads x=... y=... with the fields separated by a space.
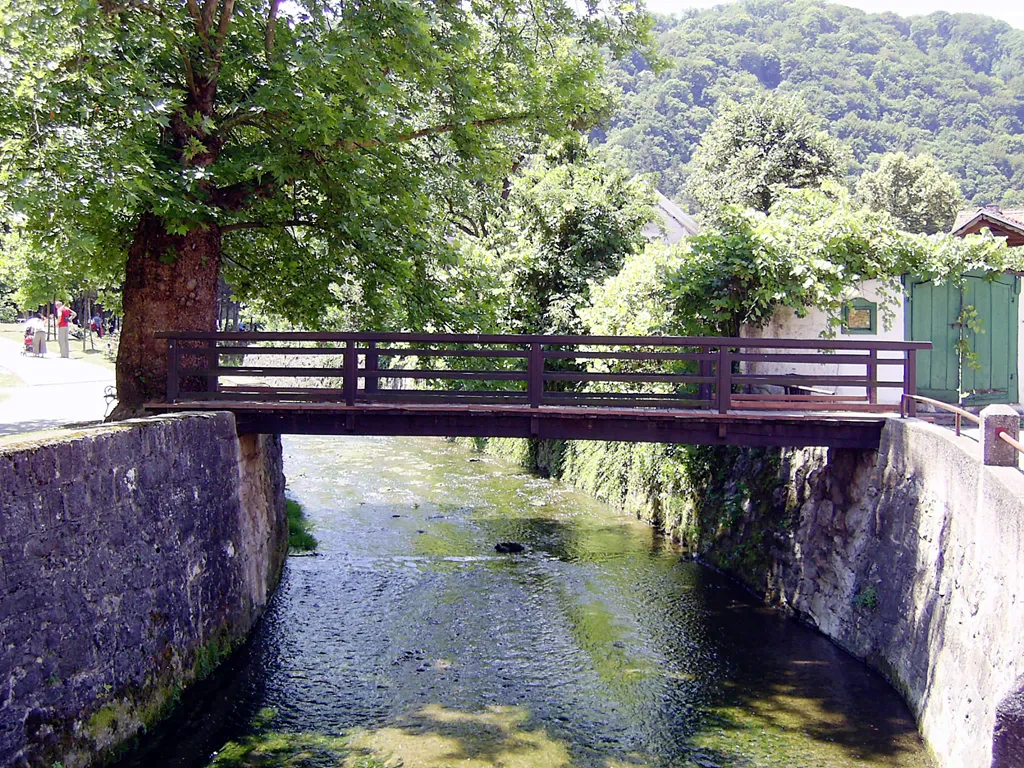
x=995 y=419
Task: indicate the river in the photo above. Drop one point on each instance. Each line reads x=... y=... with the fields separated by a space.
x=408 y=641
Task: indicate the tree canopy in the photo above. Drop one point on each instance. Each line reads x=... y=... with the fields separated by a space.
x=813 y=248
x=916 y=191
x=758 y=147
x=323 y=141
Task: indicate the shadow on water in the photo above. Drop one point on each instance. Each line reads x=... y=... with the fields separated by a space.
x=410 y=642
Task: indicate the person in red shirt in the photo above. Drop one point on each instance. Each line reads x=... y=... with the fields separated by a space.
x=64 y=316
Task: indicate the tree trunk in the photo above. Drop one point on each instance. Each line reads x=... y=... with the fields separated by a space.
x=170 y=285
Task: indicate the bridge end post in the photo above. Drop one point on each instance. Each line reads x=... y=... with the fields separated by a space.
x=172 y=370
x=212 y=364
x=872 y=371
x=910 y=381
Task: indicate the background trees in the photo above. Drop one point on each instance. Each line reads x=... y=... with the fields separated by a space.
x=916 y=191
x=757 y=147
x=951 y=86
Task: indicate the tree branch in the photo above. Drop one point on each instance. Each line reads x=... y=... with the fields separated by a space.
x=271 y=25
x=202 y=28
x=235 y=196
x=436 y=130
x=224 y=25
x=209 y=9
x=190 y=78
x=271 y=225
x=112 y=10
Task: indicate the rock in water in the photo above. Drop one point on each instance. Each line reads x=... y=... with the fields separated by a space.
x=508 y=547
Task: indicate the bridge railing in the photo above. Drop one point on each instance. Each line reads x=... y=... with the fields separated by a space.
x=713 y=373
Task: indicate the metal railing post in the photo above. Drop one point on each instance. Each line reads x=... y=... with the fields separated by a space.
x=723 y=390
x=535 y=375
x=351 y=370
x=172 y=370
x=910 y=380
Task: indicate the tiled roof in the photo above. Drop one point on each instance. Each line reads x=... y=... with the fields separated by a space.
x=1013 y=217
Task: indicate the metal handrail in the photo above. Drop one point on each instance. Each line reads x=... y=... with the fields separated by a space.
x=1007 y=439
x=959 y=412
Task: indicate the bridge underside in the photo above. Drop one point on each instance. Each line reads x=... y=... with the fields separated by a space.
x=796 y=429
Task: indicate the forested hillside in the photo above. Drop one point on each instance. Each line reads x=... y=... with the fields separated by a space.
x=944 y=84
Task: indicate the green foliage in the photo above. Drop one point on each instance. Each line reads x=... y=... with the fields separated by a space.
x=299 y=537
x=812 y=249
x=919 y=195
x=327 y=143
x=866 y=598
x=949 y=85
x=570 y=222
x=757 y=147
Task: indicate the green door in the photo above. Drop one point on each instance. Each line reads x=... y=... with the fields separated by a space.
x=932 y=312
x=989 y=375
x=980 y=318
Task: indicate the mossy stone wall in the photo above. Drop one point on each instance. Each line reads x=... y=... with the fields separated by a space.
x=133 y=558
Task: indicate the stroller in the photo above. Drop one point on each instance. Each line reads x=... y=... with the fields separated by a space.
x=26 y=348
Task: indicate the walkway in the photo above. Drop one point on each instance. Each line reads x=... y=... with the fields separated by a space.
x=54 y=391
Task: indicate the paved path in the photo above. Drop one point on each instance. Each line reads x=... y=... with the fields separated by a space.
x=55 y=392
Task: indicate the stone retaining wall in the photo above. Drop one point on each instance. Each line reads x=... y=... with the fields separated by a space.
x=133 y=557
x=912 y=559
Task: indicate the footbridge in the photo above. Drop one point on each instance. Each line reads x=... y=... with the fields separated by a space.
x=699 y=390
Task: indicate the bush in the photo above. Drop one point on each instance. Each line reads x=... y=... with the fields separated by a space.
x=299 y=537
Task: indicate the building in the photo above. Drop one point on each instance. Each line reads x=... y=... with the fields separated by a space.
x=1008 y=223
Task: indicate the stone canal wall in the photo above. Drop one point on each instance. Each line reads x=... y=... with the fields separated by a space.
x=911 y=558
x=132 y=558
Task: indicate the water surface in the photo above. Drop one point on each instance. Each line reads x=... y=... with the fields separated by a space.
x=408 y=641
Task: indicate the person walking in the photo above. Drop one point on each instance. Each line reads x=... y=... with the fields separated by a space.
x=64 y=316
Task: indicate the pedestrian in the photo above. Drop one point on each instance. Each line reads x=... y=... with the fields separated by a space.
x=37 y=327
x=64 y=316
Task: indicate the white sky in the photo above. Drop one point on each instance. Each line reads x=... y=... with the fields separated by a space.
x=1011 y=11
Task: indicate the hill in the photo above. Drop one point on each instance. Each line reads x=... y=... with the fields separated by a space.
x=951 y=85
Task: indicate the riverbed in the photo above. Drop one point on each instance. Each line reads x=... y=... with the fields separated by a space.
x=407 y=640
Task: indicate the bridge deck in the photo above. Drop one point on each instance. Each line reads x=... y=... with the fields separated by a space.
x=702 y=427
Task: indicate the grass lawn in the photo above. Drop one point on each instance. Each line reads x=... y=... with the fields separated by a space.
x=15 y=332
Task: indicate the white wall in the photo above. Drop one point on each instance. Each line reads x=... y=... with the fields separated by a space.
x=786 y=325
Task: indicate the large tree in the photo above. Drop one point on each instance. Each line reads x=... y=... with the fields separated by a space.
x=314 y=148
x=915 y=190
x=758 y=147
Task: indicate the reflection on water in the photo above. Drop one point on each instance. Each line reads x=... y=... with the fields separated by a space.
x=408 y=641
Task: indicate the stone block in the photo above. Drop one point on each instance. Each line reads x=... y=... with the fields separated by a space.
x=995 y=451
x=1008 y=736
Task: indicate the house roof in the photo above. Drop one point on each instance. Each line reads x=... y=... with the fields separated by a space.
x=685 y=220
x=1011 y=218
x=675 y=222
